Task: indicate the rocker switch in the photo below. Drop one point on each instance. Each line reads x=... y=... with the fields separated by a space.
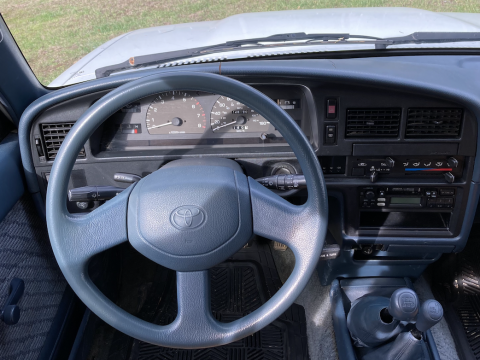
x=330 y=134
x=331 y=109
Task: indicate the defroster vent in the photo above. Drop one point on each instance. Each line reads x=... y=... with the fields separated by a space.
x=53 y=136
x=373 y=122
x=427 y=123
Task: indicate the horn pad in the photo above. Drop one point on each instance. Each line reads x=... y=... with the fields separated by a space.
x=190 y=218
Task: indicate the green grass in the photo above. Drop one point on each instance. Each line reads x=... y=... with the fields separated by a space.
x=54 y=34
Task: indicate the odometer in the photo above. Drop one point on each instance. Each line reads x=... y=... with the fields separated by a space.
x=229 y=115
x=176 y=112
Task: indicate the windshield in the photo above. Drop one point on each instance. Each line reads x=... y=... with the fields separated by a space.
x=67 y=42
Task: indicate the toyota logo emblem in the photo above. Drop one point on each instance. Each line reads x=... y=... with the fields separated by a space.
x=187 y=217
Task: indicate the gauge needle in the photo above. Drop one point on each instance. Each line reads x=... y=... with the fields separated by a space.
x=221 y=126
x=157 y=126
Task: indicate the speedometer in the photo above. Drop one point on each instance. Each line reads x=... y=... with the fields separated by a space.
x=229 y=115
x=176 y=112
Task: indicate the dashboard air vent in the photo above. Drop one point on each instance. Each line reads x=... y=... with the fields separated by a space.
x=53 y=136
x=373 y=122
x=427 y=123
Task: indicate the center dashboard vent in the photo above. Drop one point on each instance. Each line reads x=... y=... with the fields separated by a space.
x=53 y=136
x=377 y=123
x=427 y=123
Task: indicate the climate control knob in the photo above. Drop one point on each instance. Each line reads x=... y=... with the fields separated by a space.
x=452 y=162
x=390 y=162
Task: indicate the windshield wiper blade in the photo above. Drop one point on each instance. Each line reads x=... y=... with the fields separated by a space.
x=299 y=37
x=429 y=38
x=290 y=39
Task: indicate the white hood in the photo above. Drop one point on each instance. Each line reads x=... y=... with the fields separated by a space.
x=378 y=22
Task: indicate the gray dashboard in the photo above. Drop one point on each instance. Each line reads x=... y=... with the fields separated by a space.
x=393 y=89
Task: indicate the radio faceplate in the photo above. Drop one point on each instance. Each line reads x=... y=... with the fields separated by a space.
x=428 y=198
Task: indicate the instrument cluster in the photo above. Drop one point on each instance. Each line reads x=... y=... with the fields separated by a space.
x=183 y=112
x=193 y=118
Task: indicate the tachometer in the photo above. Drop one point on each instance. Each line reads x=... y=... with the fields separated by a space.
x=176 y=112
x=229 y=115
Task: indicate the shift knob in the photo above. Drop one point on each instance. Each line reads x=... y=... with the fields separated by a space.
x=404 y=304
x=430 y=313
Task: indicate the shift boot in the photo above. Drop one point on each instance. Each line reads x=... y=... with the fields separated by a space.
x=405 y=347
x=373 y=320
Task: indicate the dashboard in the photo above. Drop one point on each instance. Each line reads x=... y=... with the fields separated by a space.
x=398 y=161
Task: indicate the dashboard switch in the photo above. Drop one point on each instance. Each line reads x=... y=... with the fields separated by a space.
x=89 y=193
x=373 y=176
x=38 y=145
x=330 y=134
x=331 y=109
x=283 y=182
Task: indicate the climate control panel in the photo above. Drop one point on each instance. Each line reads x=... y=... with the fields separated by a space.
x=449 y=167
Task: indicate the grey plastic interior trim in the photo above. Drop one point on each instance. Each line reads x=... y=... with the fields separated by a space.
x=11 y=179
x=75 y=239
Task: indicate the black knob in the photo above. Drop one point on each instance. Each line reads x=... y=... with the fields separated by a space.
x=390 y=162
x=370 y=195
x=449 y=177
x=176 y=121
x=452 y=162
x=241 y=120
x=404 y=304
x=430 y=314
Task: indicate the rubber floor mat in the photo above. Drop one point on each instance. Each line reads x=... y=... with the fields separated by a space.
x=25 y=253
x=457 y=284
x=239 y=286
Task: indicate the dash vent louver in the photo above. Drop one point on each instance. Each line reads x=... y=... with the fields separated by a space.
x=427 y=123
x=53 y=136
x=377 y=123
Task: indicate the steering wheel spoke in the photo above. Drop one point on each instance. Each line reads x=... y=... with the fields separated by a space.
x=97 y=231
x=193 y=299
x=276 y=219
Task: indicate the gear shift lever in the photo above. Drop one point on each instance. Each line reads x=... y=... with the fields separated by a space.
x=403 y=304
x=408 y=345
x=430 y=314
x=373 y=320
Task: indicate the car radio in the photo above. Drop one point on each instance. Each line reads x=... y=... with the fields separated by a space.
x=407 y=198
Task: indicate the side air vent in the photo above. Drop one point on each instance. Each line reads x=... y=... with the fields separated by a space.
x=53 y=136
x=427 y=123
x=373 y=122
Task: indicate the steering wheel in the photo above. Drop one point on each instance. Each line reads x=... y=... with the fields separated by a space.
x=188 y=217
